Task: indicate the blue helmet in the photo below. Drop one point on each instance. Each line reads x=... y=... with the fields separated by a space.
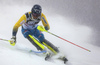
x=36 y=10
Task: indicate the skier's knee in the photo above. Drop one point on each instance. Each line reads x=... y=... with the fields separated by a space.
x=25 y=33
x=56 y=49
x=39 y=47
x=41 y=37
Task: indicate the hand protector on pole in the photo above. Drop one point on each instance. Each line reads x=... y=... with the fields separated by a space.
x=41 y=28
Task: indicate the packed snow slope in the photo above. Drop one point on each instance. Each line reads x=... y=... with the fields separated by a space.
x=19 y=55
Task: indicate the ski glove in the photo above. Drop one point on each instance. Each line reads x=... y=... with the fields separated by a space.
x=46 y=28
x=13 y=40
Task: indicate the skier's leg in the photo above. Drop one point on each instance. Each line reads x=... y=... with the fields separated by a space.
x=36 y=43
x=55 y=50
x=50 y=46
x=39 y=35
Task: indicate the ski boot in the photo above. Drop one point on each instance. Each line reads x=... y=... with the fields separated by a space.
x=48 y=56
x=63 y=59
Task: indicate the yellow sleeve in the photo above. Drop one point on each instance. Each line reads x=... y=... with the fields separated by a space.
x=18 y=24
x=45 y=22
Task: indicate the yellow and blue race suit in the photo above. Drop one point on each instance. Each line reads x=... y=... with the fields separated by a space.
x=29 y=31
x=29 y=25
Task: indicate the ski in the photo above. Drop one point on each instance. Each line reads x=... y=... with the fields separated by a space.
x=38 y=51
x=48 y=56
x=64 y=59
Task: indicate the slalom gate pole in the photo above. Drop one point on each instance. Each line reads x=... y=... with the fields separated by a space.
x=69 y=41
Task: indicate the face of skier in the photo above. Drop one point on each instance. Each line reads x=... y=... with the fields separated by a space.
x=35 y=16
x=36 y=13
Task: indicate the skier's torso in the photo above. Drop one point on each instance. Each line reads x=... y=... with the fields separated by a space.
x=27 y=22
x=30 y=23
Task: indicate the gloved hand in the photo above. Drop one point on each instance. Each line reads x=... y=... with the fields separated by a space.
x=46 y=28
x=13 y=40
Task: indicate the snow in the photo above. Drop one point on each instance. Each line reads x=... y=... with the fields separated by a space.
x=19 y=55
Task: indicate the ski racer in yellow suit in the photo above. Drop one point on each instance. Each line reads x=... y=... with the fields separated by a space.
x=29 y=23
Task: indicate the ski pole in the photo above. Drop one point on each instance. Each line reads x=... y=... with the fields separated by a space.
x=13 y=44
x=41 y=28
x=4 y=39
x=30 y=50
x=69 y=41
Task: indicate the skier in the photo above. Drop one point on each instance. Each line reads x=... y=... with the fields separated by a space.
x=29 y=23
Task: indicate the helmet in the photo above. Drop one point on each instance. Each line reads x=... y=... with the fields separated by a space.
x=36 y=10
